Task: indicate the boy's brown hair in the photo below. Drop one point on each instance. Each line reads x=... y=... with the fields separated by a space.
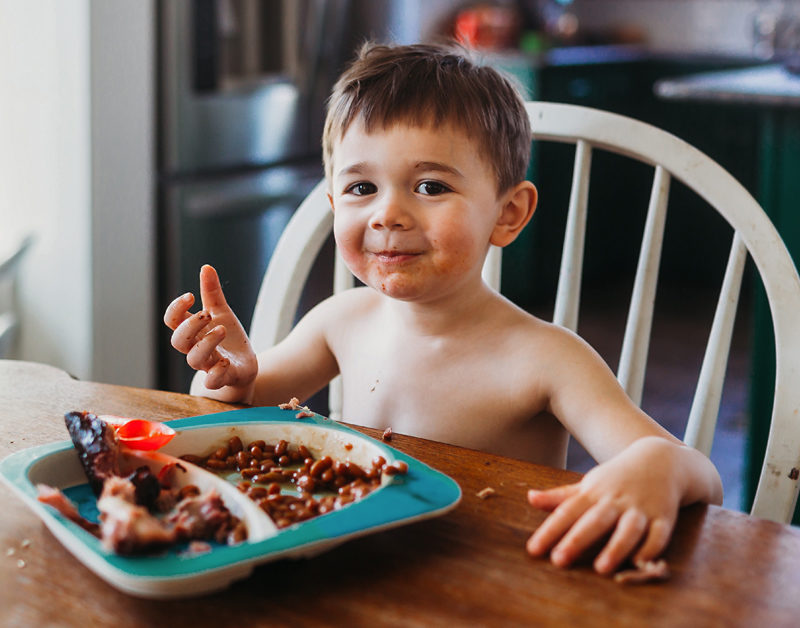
x=424 y=84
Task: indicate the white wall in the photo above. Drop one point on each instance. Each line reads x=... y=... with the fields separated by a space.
x=44 y=173
x=76 y=164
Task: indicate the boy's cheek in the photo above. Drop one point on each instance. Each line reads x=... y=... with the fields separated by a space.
x=349 y=247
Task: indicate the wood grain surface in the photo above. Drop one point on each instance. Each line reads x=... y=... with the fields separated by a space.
x=467 y=568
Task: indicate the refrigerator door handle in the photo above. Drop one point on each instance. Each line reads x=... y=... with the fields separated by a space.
x=205 y=48
x=213 y=207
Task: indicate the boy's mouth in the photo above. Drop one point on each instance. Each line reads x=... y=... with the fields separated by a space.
x=395 y=257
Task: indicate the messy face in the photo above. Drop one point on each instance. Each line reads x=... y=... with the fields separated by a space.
x=414 y=209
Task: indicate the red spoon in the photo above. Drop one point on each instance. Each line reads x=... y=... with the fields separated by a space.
x=139 y=433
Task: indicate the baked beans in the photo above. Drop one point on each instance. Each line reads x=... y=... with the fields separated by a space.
x=267 y=469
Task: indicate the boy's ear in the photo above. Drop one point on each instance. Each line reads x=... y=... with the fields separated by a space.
x=518 y=206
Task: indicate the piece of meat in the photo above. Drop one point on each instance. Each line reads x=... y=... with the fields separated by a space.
x=56 y=499
x=130 y=529
x=126 y=527
x=292 y=404
x=97 y=447
x=147 y=487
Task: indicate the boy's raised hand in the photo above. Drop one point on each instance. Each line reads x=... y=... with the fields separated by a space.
x=213 y=339
x=630 y=503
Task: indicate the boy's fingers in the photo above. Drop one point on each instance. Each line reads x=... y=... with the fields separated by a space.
x=555 y=526
x=204 y=355
x=551 y=498
x=210 y=289
x=656 y=540
x=215 y=376
x=589 y=528
x=178 y=310
x=185 y=335
x=627 y=535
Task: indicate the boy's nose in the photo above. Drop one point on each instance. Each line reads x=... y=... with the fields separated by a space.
x=391 y=214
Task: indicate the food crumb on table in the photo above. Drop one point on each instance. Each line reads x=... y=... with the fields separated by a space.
x=486 y=492
x=645 y=571
x=10 y=551
x=387 y=434
x=20 y=563
x=25 y=543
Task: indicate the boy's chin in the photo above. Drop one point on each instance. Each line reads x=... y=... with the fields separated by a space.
x=400 y=288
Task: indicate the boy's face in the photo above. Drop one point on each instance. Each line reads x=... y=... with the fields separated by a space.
x=414 y=209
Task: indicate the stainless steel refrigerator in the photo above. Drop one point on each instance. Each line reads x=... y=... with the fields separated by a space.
x=242 y=87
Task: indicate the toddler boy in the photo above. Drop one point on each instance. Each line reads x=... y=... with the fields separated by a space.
x=425 y=156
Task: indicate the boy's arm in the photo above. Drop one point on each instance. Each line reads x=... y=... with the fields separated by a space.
x=645 y=474
x=299 y=365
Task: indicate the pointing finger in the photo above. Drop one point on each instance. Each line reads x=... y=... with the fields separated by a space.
x=210 y=289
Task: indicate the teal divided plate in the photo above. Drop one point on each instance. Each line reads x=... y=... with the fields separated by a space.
x=419 y=494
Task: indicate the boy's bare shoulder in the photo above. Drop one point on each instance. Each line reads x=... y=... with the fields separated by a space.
x=353 y=299
x=526 y=327
x=347 y=306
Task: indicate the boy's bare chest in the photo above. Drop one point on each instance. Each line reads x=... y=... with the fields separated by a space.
x=466 y=395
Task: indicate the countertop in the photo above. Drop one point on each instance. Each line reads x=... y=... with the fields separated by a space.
x=768 y=85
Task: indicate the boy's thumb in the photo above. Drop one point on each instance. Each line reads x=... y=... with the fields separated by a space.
x=210 y=289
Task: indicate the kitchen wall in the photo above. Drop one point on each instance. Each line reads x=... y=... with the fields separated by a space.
x=44 y=173
x=76 y=163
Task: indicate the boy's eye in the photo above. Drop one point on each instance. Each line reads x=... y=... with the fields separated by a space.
x=362 y=189
x=432 y=188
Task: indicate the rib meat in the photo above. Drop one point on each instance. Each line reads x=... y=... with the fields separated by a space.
x=96 y=445
x=128 y=505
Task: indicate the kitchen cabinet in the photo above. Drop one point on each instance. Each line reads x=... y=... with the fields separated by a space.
x=621 y=80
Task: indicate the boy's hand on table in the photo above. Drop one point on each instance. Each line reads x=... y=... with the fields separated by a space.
x=213 y=339
x=633 y=497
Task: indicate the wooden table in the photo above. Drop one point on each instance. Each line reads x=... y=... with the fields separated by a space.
x=468 y=567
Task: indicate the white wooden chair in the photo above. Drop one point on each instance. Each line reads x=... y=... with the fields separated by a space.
x=9 y=316
x=591 y=130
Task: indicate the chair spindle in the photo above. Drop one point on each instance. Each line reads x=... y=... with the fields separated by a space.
x=568 y=293
x=705 y=407
x=636 y=341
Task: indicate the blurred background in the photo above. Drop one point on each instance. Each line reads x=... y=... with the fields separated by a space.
x=142 y=138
